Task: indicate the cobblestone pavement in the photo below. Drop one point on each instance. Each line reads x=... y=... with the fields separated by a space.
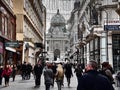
x=20 y=84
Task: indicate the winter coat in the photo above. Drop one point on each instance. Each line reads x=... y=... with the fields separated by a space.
x=48 y=76
x=7 y=72
x=108 y=74
x=1 y=71
x=68 y=70
x=78 y=72
x=59 y=73
x=92 y=80
x=38 y=68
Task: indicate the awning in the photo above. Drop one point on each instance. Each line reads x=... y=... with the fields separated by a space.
x=10 y=49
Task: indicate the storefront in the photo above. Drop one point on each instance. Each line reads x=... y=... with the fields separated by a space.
x=10 y=55
x=116 y=51
x=94 y=47
x=7 y=33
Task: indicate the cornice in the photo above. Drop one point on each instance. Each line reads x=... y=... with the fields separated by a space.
x=36 y=29
x=7 y=7
x=32 y=4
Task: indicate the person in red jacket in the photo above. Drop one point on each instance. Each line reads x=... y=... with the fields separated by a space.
x=6 y=74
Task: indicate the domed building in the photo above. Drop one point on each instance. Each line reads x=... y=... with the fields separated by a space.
x=57 y=38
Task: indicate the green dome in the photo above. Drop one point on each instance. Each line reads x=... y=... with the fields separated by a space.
x=58 y=19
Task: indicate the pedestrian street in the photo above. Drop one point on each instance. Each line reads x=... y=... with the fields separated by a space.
x=20 y=84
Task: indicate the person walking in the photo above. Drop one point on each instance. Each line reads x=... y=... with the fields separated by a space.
x=29 y=70
x=93 y=80
x=48 y=76
x=54 y=67
x=6 y=74
x=107 y=71
x=68 y=72
x=59 y=76
x=24 y=70
x=14 y=71
x=1 y=71
x=38 y=68
x=78 y=70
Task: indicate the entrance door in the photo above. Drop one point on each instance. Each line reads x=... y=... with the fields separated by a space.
x=116 y=52
x=56 y=54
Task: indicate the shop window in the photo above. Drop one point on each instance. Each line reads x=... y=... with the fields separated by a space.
x=47 y=48
x=116 y=52
x=91 y=45
x=1 y=59
x=47 y=42
x=3 y=23
x=6 y=26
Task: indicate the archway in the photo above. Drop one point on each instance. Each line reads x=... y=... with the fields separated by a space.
x=56 y=54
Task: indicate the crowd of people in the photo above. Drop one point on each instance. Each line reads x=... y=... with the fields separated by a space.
x=89 y=78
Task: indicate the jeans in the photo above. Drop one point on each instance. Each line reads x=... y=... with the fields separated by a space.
x=59 y=84
x=37 y=80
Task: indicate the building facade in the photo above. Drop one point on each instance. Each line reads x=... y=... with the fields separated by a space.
x=73 y=32
x=30 y=26
x=7 y=32
x=98 y=31
x=57 y=39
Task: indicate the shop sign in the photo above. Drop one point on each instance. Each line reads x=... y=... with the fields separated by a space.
x=112 y=24
x=12 y=44
x=111 y=27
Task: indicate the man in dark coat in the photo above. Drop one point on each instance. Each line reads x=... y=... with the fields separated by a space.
x=68 y=72
x=23 y=70
x=38 y=68
x=29 y=70
x=92 y=80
